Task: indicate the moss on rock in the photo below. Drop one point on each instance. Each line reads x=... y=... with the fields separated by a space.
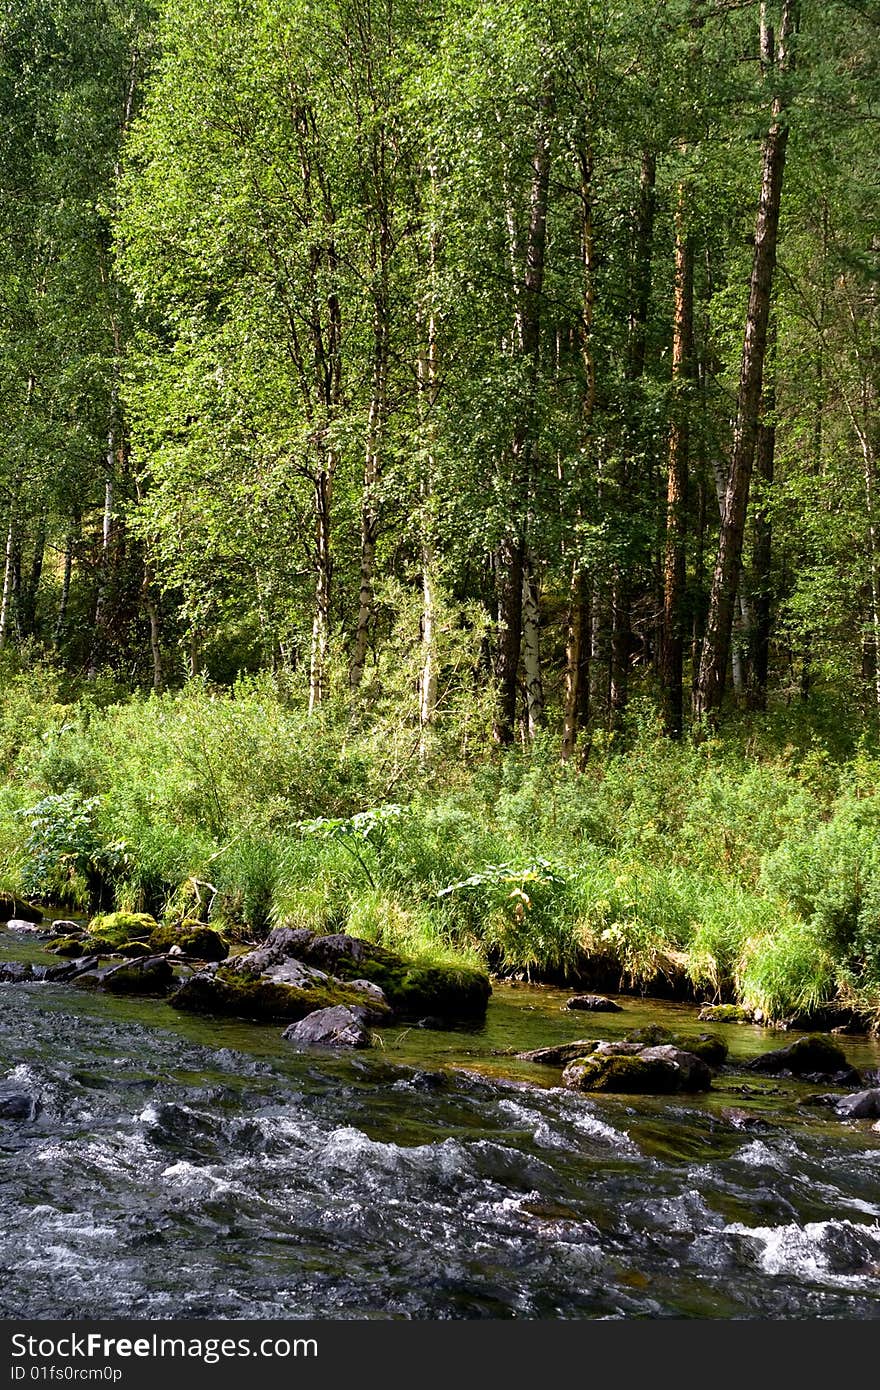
x=265 y=1001
x=193 y=938
x=114 y=928
x=726 y=1013
x=660 y=1071
x=66 y=946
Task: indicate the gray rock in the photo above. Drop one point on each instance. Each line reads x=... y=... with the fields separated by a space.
x=19 y=924
x=17 y=1105
x=695 y=1073
x=560 y=1055
x=65 y=928
x=82 y=965
x=367 y=988
x=593 y=1003
x=864 y=1105
x=15 y=972
x=338 y=1026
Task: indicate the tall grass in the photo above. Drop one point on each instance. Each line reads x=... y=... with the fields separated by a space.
x=741 y=867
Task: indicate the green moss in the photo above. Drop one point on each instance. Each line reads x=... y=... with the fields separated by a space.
x=193 y=938
x=726 y=1013
x=708 y=1046
x=442 y=990
x=66 y=946
x=113 y=928
x=651 y=1036
x=265 y=1001
x=133 y=949
x=633 y=1075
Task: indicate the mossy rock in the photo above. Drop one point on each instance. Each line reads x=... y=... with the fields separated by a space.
x=13 y=909
x=651 y=1035
x=813 y=1055
x=194 y=939
x=624 y=1075
x=412 y=988
x=708 y=1046
x=663 y=1070
x=442 y=991
x=114 y=928
x=66 y=946
x=726 y=1013
x=264 y=1001
x=134 y=949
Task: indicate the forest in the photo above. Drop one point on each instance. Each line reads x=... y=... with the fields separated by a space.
x=438 y=493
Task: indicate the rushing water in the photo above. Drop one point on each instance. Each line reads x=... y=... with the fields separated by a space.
x=181 y=1167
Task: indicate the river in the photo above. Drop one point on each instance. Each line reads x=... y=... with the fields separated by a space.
x=177 y=1167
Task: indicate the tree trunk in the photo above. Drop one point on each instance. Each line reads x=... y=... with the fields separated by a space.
x=531 y=649
x=575 y=644
x=759 y=645
x=509 y=582
x=674 y=573
x=318 y=656
x=61 y=621
x=104 y=566
x=370 y=503
x=716 y=647
x=30 y=589
x=576 y=699
x=621 y=587
x=510 y=553
x=6 y=604
x=427 y=369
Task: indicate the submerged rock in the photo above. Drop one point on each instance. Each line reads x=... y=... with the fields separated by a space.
x=593 y=1003
x=559 y=1055
x=662 y=1070
x=814 y=1056
x=340 y=1026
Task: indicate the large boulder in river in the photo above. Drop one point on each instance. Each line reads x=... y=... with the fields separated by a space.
x=412 y=988
x=240 y=995
x=815 y=1057
x=341 y=1026
x=662 y=1070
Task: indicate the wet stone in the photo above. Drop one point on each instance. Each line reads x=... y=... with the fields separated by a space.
x=814 y=1057
x=339 y=1026
x=593 y=1003
x=864 y=1105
